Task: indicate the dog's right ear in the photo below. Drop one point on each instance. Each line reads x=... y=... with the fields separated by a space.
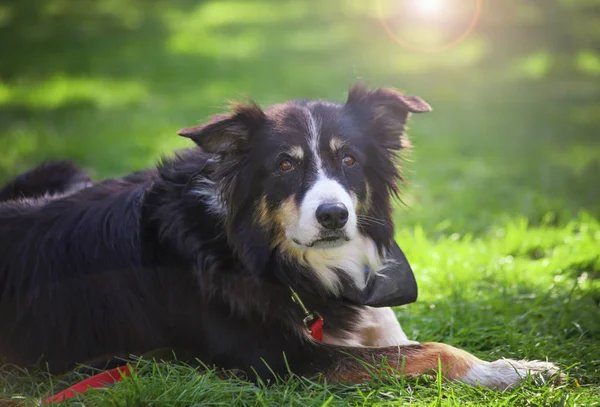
x=226 y=133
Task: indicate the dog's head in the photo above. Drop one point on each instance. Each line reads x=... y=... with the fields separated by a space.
x=312 y=179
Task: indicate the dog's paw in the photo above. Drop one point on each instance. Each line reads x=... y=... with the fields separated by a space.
x=506 y=373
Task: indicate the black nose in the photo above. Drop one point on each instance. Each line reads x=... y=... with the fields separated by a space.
x=332 y=216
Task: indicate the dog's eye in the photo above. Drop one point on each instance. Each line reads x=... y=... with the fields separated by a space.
x=348 y=160
x=286 y=165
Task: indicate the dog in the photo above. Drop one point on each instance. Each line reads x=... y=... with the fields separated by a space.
x=267 y=249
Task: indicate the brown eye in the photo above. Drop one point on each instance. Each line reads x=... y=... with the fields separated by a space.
x=286 y=165
x=348 y=160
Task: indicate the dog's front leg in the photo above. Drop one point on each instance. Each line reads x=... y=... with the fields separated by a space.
x=380 y=327
x=375 y=327
x=348 y=364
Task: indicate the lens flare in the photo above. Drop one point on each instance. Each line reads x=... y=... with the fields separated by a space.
x=429 y=8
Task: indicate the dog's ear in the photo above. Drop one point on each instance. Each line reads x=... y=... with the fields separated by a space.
x=388 y=110
x=226 y=133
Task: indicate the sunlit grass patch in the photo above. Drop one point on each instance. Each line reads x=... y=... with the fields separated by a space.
x=61 y=90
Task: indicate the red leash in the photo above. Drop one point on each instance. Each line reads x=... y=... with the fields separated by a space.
x=95 y=382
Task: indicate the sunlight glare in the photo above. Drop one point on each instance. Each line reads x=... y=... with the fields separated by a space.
x=428 y=7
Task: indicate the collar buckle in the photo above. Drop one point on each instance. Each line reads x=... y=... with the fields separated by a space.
x=313 y=321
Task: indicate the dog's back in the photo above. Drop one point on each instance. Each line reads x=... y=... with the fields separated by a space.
x=81 y=248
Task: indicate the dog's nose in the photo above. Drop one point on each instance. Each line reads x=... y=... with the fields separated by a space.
x=332 y=216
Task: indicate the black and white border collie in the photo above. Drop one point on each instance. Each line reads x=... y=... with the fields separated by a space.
x=200 y=255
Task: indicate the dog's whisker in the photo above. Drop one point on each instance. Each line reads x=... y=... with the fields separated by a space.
x=368 y=219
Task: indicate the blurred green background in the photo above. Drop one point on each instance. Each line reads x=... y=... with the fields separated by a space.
x=516 y=105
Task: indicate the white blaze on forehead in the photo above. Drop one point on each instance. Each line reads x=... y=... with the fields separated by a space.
x=313 y=139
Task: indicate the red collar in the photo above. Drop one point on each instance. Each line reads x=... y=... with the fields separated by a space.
x=312 y=320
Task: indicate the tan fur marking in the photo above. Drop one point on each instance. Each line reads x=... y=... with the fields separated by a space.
x=455 y=362
x=297 y=152
x=269 y=221
x=286 y=215
x=362 y=207
x=277 y=221
x=409 y=360
x=263 y=216
x=336 y=144
x=367 y=204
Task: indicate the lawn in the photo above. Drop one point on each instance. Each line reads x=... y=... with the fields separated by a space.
x=500 y=214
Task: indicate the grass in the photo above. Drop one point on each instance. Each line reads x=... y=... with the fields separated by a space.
x=500 y=214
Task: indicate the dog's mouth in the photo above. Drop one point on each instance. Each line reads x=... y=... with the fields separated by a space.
x=328 y=241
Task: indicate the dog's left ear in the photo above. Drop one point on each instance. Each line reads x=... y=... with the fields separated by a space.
x=227 y=133
x=388 y=110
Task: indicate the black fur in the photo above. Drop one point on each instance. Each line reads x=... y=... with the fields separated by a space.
x=57 y=177
x=131 y=265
